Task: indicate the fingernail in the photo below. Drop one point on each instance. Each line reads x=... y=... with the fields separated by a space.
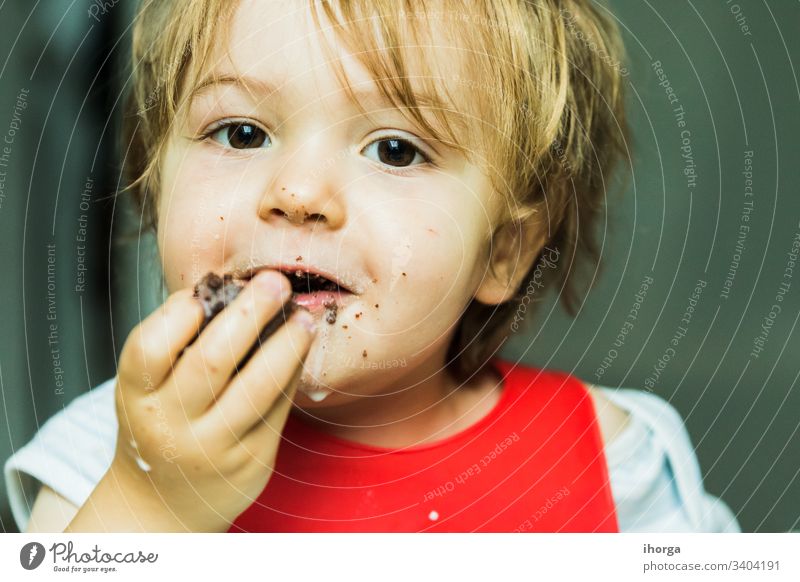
x=305 y=319
x=272 y=283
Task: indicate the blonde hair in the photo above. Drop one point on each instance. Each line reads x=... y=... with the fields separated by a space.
x=538 y=102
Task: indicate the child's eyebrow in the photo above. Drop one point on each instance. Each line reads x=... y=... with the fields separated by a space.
x=249 y=83
x=260 y=87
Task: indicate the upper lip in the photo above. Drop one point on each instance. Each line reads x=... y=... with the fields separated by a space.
x=343 y=281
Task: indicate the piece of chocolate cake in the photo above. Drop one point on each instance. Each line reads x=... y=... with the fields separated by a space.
x=215 y=293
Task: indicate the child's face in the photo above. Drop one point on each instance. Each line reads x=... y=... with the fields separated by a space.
x=306 y=181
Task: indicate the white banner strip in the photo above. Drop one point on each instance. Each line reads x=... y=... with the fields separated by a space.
x=400 y=557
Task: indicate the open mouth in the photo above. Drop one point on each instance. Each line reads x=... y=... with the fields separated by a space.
x=318 y=291
x=302 y=280
x=305 y=282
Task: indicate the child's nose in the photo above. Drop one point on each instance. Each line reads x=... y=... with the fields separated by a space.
x=304 y=191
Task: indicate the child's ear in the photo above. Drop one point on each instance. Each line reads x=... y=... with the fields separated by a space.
x=513 y=250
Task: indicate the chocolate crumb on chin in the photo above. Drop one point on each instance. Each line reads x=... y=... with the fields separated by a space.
x=215 y=293
x=331 y=309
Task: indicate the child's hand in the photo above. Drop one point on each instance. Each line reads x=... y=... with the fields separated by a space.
x=196 y=439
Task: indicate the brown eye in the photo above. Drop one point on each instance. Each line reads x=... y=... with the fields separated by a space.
x=240 y=136
x=396 y=152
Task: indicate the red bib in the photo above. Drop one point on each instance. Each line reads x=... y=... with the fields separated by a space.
x=534 y=463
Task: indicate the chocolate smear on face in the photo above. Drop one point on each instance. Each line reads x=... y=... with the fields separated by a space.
x=331 y=308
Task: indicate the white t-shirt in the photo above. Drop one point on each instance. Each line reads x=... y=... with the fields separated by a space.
x=655 y=478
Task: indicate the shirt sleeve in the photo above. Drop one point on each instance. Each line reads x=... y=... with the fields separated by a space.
x=70 y=453
x=655 y=477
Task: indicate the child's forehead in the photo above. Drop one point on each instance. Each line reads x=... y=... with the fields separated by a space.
x=282 y=46
x=284 y=33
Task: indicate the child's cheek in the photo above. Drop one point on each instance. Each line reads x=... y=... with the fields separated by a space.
x=426 y=269
x=195 y=220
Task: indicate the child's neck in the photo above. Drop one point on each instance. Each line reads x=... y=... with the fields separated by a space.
x=434 y=408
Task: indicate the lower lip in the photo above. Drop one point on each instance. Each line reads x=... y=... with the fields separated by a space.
x=319 y=301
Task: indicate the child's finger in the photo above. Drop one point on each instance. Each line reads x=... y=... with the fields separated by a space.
x=253 y=392
x=260 y=441
x=153 y=346
x=207 y=365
